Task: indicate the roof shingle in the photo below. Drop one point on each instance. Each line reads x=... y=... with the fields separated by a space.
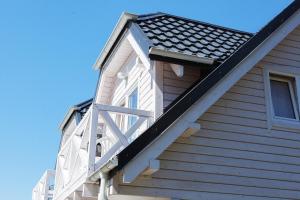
x=190 y=37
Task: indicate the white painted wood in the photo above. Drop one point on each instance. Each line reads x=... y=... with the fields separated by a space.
x=113 y=127
x=92 y=139
x=178 y=69
x=154 y=166
x=124 y=110
x=44 y=188
x=158 y=89
x=77 y=195
x=191 y=130
x=140 y=44
x=139 y=163
x=90 y=190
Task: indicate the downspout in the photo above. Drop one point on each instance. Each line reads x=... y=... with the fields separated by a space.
x=103 y=185
x=103 y=175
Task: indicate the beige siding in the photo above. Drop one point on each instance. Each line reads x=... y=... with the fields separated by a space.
x=235 y=155
x=173 y=85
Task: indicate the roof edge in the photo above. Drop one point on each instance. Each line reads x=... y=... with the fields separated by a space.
x=125 y=17
x=180 y=56
x=72 y=110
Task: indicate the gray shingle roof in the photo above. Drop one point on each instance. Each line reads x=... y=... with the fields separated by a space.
x=190 y=37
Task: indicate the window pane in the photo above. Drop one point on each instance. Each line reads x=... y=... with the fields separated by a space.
x=132 y=103
x=282 y=100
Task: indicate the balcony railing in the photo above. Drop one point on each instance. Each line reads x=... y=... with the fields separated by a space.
x=43 y=190
x=102 y=126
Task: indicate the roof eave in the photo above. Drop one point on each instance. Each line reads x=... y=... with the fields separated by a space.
x=125 y=17
x=67 y=117
x=180 y=56
x=72 y=110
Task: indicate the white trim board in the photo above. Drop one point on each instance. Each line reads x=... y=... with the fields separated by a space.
x=152 y=151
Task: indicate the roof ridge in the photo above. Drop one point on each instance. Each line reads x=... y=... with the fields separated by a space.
x=150 y=15
x=82 y=104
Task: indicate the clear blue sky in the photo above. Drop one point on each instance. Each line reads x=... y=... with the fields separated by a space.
x=47 y=49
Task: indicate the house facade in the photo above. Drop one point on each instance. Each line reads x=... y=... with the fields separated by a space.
x=188 y=110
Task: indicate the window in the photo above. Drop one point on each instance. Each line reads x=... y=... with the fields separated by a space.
x=283 y=97
x=98 y=150
x=132 y=103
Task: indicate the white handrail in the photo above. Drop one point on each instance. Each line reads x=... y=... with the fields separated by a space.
x=42 y=189
x=82 y=148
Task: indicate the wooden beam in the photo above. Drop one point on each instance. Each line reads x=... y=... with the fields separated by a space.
x=124 y=110
x=113 y=127
x=92 y=139
x=178 y=69
x=153 y=167
x=191 y=130
x=140 y=44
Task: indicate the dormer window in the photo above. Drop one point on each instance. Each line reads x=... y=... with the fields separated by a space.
x=283 y=96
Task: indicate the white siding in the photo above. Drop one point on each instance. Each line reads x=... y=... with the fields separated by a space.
x=68 y=129
x=235 y=155
x=137 y=77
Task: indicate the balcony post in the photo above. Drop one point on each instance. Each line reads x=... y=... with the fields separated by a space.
x=92 y=138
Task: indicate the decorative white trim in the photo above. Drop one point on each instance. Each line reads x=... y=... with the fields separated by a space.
x=153 y=167
x=193 y=128
x=117 y=30
x=158 y=96
x=152 y=151
x=140 y=44
x=177 y=69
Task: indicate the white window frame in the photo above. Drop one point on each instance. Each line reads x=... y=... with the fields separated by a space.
x=292 y=72
x=292 y=93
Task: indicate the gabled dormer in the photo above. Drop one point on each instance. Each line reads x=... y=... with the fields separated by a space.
x=149 y=63
x=72 y=119
x=160 y=56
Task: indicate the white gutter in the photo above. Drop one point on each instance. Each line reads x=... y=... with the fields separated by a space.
x=170 y=54
x=125 y=17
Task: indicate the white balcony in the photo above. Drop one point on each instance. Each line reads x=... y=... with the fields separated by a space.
x=43 y=190
x=102 y=133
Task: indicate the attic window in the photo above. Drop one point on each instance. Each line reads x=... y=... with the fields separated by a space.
x=284 y=97
x=282 y=90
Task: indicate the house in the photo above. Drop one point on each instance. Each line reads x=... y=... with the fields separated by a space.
x=188 y=110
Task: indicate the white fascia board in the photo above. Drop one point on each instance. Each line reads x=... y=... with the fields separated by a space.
x=140 y=43
x=196 y=59
x=152 y=151
x=67 y=117
x=125 y=17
